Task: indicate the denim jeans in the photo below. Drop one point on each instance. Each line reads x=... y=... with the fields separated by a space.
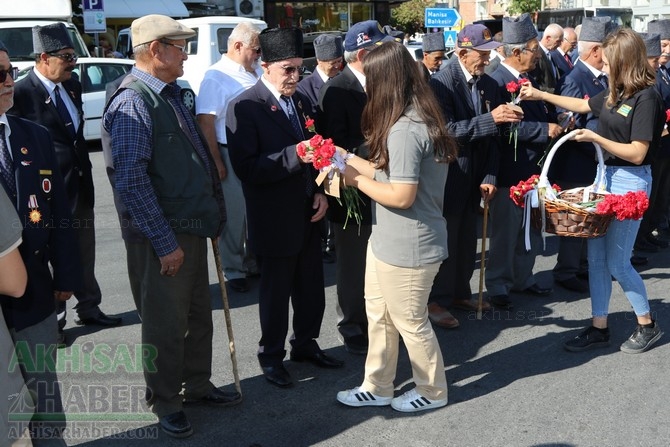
x=610 y=254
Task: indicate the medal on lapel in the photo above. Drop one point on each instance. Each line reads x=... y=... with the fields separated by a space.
x=35 y=216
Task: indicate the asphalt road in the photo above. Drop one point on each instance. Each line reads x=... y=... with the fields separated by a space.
x=510 y=381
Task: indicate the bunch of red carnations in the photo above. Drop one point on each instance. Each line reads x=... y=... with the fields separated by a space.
x=518 y=193
x=631 y=205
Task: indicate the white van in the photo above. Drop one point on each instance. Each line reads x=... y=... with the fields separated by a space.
x=204 y=49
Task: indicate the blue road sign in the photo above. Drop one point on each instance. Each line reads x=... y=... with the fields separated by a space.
x=93 y=5
x=450 y=38
x=441 y=17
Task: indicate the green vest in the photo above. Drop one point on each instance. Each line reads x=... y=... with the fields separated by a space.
x=185 y=190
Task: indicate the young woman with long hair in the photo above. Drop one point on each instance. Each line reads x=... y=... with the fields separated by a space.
x=404 y=176
x=631 y=117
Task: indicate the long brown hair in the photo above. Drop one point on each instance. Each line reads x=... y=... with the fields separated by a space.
x=394 y=83
x=629 y=70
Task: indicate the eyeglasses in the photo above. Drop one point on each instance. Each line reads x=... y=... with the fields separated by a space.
x=13 y=73
x=67 y=57
x=290 y=70
x=574 y=44
x=532 y=50
x=181 y=48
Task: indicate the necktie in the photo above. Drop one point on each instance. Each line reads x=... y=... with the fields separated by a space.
x=7 y=165
x=568 y=60
x=64 y=114
x=295 y=123
x=603 y=80
x=292 y=117
x=474 y=93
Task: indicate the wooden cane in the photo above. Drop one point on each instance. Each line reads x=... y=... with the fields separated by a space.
x=483 y=260
x=226 y=313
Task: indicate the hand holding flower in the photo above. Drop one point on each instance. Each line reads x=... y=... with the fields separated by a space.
x=528 y=92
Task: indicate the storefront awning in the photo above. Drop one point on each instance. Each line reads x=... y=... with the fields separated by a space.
x=132 y=9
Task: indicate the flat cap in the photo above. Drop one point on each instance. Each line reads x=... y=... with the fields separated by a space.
x=155 y=27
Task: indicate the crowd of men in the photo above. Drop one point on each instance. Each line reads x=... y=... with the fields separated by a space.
x=170 y=173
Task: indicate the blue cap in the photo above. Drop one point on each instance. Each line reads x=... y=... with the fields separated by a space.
x=364 y=34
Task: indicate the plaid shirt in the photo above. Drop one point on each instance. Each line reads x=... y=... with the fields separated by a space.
x=129 y=124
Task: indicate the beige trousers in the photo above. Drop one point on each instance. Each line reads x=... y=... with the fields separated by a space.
x=396 y=304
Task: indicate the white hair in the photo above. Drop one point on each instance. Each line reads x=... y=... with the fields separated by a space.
x=244 y=32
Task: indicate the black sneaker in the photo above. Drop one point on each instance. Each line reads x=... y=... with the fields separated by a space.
x=589 y=338
x=642 y=339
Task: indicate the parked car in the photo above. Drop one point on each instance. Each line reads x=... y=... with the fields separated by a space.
x=94 y=73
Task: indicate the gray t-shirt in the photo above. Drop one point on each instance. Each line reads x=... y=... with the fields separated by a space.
x=418 y=235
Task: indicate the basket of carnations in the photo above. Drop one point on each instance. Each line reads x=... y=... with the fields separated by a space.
x=330 y=163
x=580 y=212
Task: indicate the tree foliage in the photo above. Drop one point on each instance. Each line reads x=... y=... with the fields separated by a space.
x=410 y=16
x=517 y=7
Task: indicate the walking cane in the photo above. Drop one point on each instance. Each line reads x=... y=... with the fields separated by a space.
x=226 y=313
x=483 y=260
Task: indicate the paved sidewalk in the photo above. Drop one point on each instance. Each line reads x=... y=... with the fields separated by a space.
x=510 y=381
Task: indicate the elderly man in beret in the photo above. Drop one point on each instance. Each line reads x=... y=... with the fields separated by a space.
x=474 y=109
x=168 y=193
x=433 y=54
x=264 y=124
x=511 y=263
x=574 y=164
x=657 y=214
x=340 y=109
x=329 y=50
x=31 y=178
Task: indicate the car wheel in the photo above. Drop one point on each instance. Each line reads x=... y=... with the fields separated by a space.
x=188 y=98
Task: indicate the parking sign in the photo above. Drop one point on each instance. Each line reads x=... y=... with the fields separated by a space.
x=94 y=16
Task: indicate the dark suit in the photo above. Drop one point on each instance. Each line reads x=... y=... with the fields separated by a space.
x=47 y=243
x=574 y=165
x=311 y=87
x=562 y=65
x=33 y=102
x=660 y=167
x=477 y=134
x=262 y=146
x=543 y=73
x=510 y=265
x=339 y=117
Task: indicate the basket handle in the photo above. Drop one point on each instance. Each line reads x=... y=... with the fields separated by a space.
x=599 y=182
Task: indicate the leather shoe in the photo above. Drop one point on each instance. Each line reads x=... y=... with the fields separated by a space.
x=501 y=301
x=218 y=397
x=537 y=290
x=639 y=260
x=357 y=344
x=575 y=284
x=100 y=320
x=240 y=285
x=277 y=375
x=176 y=425
x=319 y=358
x=470 y=305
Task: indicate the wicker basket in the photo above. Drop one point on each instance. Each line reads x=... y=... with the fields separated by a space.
x=562 y=216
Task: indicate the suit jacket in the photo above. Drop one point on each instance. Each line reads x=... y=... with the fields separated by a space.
x=261 y=144
x=339 y=117
x=543 y=73
x=311 y=87
x=576 y=161
x=48 y=239
x=561 y=64
x=476 y=134
x=532 y=135
x=663 y=85
x=32 y=102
